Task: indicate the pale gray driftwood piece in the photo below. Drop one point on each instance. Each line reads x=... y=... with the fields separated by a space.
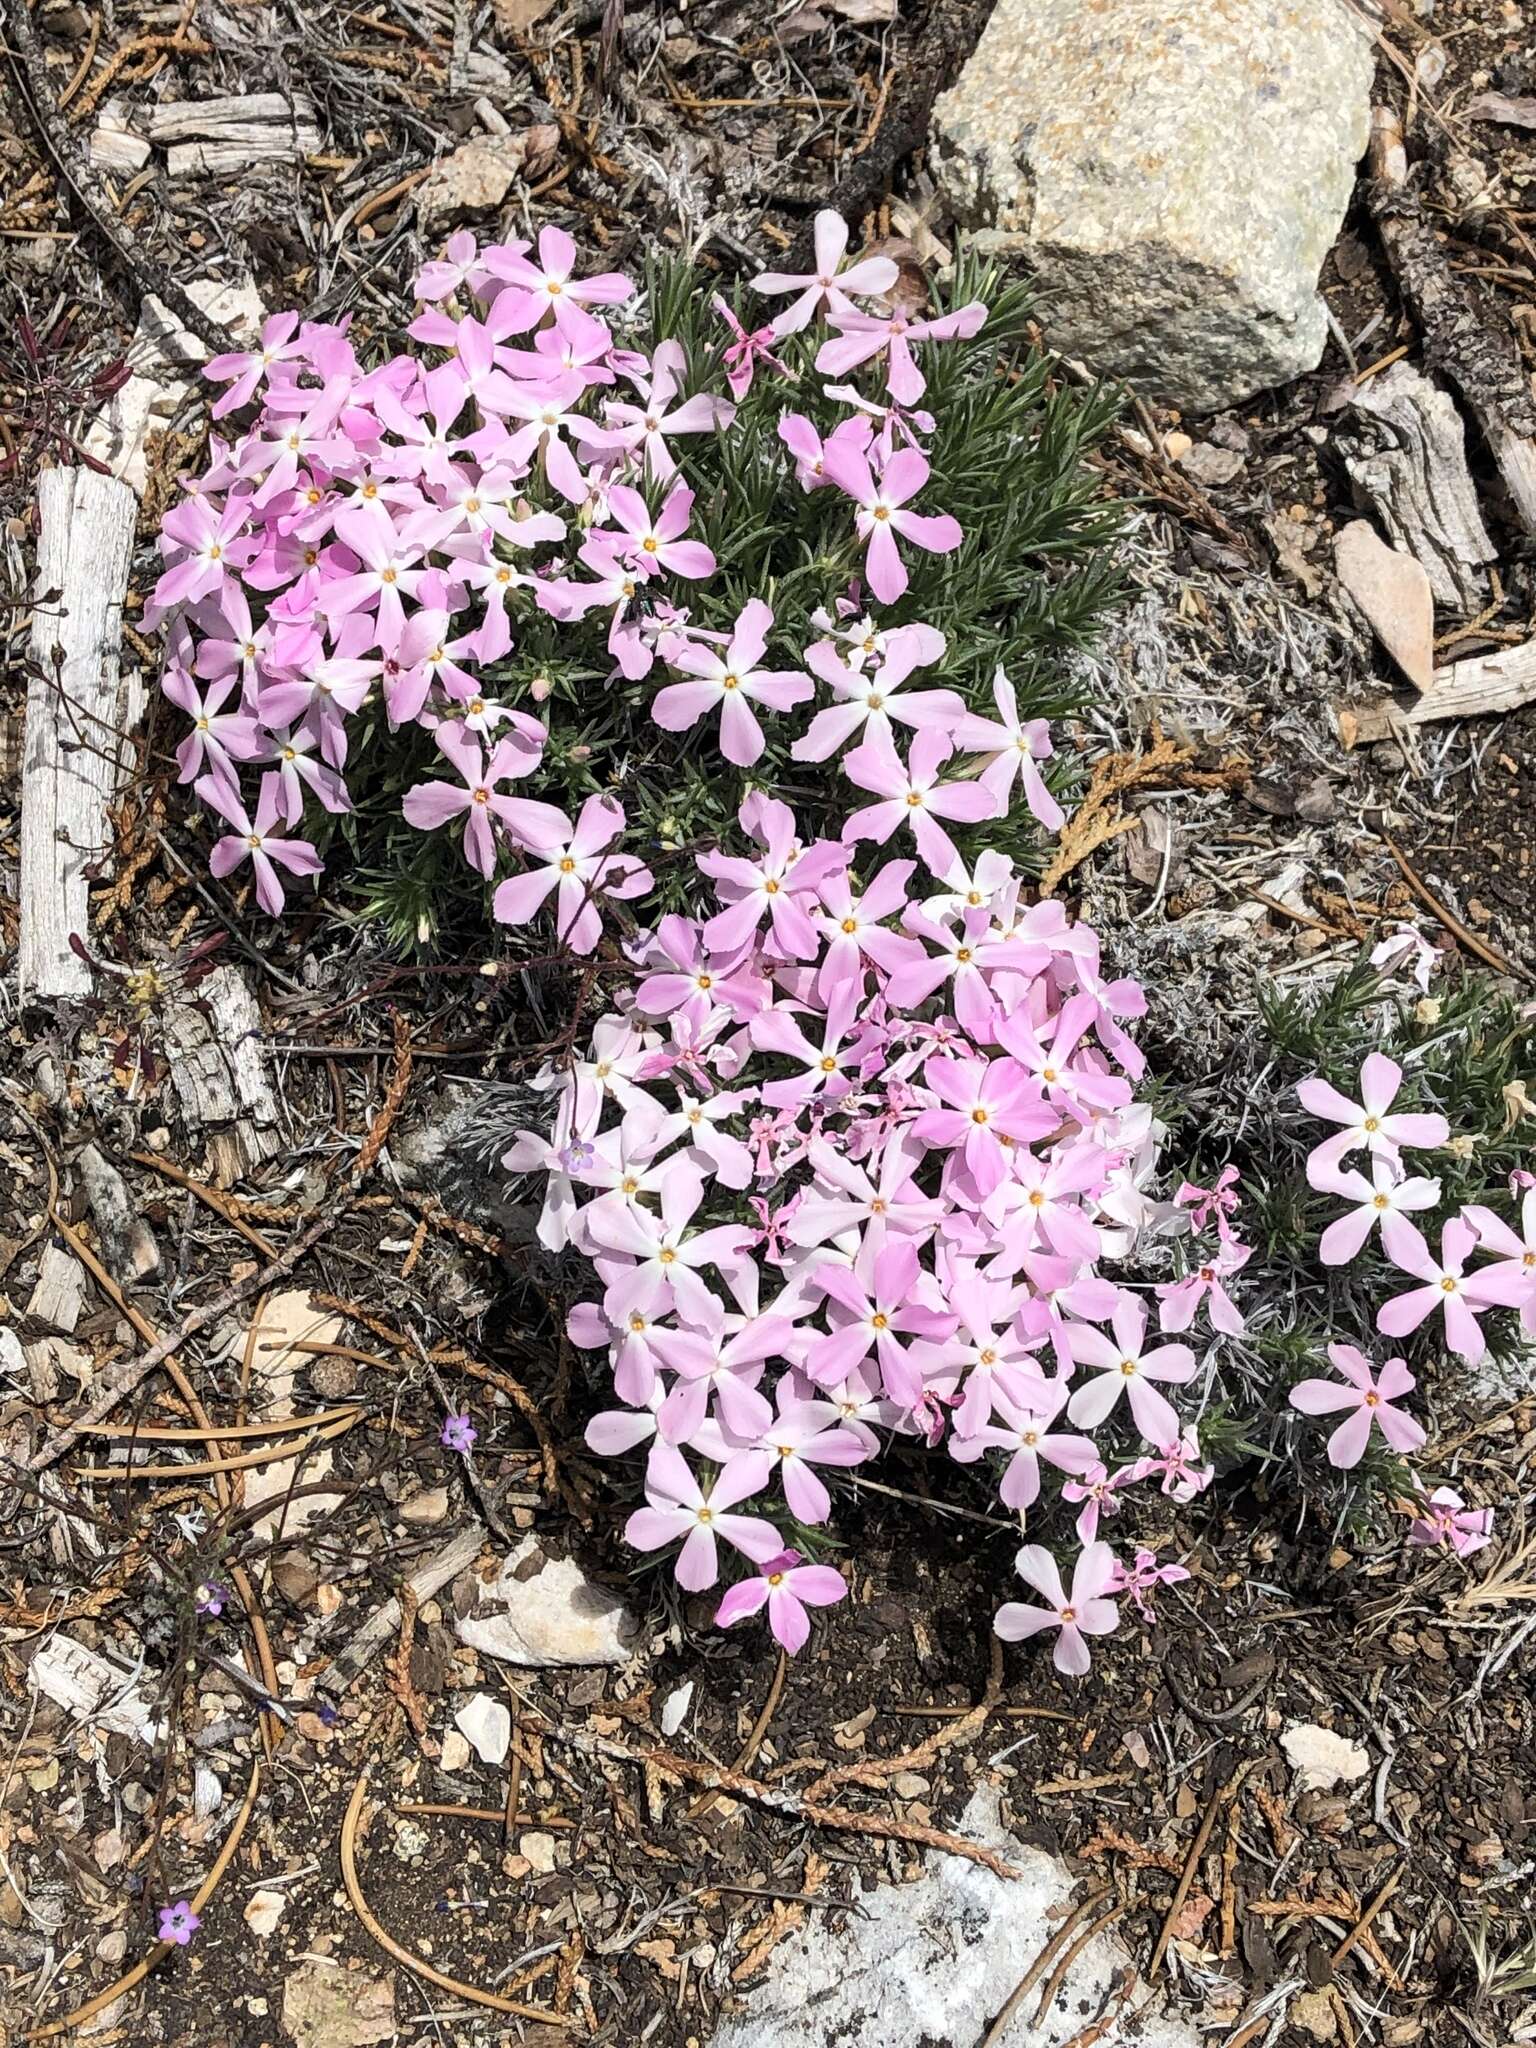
x=1417 y=480
x=218 y=1065
x=225 y=119
x=383 y=1625
x=1480 y=686
x=129 y=1243
x=59 y=1294
x=77 y=708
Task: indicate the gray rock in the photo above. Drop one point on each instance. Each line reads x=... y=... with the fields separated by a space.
x=931 y=1964
x=1172 y=172
x=542 y=1610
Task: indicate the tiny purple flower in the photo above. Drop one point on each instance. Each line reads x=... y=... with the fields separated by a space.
x=179 y=1923
x=211 y=1596
x=458 y=1433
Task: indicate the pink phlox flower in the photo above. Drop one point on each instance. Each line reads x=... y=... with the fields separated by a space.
x=698 y=1119
x=722 y=1363
x=984 y=1104
x=458 y=267
x=910 y=793
x=1218 y=1203
x=1178 y=1467
x=742 y=355
x=615 y=1431
x=654 y=543
x=299 y=430
x=1142 y=1578
x=872 y=696
x=1122 y=1364
x=881 y=513
x=732 y=680
x=259 y=841
x=245 y=371
x=578 y=871
x=1179 y=1299
x=641 y=431
x=684 y=973
x=1023 y=1429
x=534 y=826
x=896 y=425
x=810 y=451
x=1446 y=1285
x=218 y=738
x=995 y=1360
x=854 y=927
x=786 y=1587
x=883 y=1297
x=1514 y=1254
x=862 y=337
x=547 y=282
x=661 y=1260
x=825 y=1068
x=549 y=423
x=1369 y=1398
x=801 y=1436
x=771 y=1235
x=1382 y=1200
x=827 y=286
x=206 y=545
x=1062 y=1068
x=1060 y=1287
x=389 y=570
x=678 y=1507
x=576 y=342
x=1085 y=1612
x=783 y=884
x=1041 y=1204
x=1015 y=745
x=422 y=444
x=1099 y=1491
x=1406 y=950
x=1446 y=1522
x=845 y=1197
x=297 y=768
x=1371 y=1121
x=178 y=1923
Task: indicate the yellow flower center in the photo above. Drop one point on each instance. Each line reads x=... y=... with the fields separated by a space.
x=482 y=796
x=1127 y=1368
x=879 y=1322
x=1372 y=1123
x=730 y=682
x=882 y=512
x=567 y=866
x=1381 y=1202
x=650 y=544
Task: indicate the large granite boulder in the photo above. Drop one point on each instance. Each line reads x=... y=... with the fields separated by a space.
x=1171 y=171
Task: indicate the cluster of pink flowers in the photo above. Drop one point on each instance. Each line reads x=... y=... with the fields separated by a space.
x=847 y=1161
x=1367 y=1396
x=365 y=548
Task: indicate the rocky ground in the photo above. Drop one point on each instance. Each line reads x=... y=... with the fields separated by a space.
x=1299 y=1808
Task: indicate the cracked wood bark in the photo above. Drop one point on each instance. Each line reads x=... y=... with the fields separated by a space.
x=78 y=706
x=1463 y=336
x=218 y=1066
x=1416 y=479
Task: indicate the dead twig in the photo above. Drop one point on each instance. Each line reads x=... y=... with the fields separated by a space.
x=1452 y=923
x=1039 y=1966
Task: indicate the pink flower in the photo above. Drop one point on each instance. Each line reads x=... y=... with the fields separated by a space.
x=679 y=1507
x=873 y=694
x=828 y=285
x=534 y=826
x=1462 y=1296
x=877 y=1301
x=786 y=1587
x=1368 y=1397
x=781 y=885
x=1179 y=1299
x=732 y=681
x=1015 y=745
x=1142 y=1578
x=1024 y=1429
x=912 y=795
x=1445 y=1521
x=863 y=336
x=881 y=513
x=211 y=545
x=655 y=543
x=260 y=842
x=1370 y=1121
x=743 y=355
x=547 y=283
x=218 y=738
x=246 y=371
x=1381 y=1199
x=579 y=870
x=1514 y=1254
x=640 y=431
x=1214 y=1204
x=1125 y=1366
x=986 y=1102
x=1086 y=1613
x=802 y=1435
